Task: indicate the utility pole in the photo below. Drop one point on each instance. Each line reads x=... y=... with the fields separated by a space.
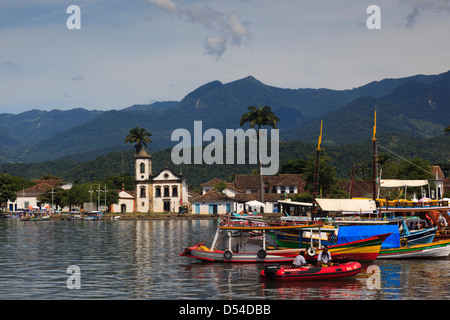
x=105 y=195
x=53 y=192
x=98 y=201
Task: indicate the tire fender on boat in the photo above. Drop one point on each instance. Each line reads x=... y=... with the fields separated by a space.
x=262 y=253
x=227 y=254
x=311 y=251
x=403 y=243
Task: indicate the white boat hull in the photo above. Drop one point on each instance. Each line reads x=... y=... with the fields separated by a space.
x=434 y=250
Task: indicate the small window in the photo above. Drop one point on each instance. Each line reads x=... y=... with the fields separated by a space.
x=166 y=192
x=142 y=166
x=142 y=192
x=157 y=192
x=174 y=192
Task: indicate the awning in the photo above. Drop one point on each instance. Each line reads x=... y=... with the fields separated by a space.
x=296 y=203
x=255 y=203
x=347 y=205
x=393 y=183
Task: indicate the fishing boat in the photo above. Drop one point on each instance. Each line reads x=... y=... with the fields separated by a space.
x=435 y=249
x=35 y=216
x=93 y=215
x=415 y=237
x=304 y=238
x=40 y=217
x=238 y=252
x=352 y=245
x=343 y=270
x=407 y=235
x=360 y=250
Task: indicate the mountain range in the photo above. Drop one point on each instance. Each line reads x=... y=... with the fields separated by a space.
x=418 y=106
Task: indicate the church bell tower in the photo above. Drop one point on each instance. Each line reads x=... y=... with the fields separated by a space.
x=143 y=178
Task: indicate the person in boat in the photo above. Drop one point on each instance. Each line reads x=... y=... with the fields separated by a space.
x=299 y=260
x=324 y=257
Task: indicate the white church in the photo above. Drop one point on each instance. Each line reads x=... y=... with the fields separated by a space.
x=164 y=192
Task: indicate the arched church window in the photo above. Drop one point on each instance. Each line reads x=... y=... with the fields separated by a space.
x=142 y=195
x=174 y=191
x=142 y=166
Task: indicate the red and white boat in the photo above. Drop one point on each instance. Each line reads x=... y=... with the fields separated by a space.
x=343 y=270
x=234 y=253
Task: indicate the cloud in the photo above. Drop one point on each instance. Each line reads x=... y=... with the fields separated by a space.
x=215 y=46
x=8 y=67
x=421 y=6
x=164 y=4
x=229 y=28
x=77 y=78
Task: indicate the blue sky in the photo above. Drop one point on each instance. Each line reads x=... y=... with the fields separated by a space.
x=140 y=51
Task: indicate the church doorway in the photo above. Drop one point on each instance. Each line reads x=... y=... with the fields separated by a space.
x=123 y=208
x=166 y=206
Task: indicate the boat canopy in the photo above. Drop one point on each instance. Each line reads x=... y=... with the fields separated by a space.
x=348 y=205
x=394 y=183
x=353 y=233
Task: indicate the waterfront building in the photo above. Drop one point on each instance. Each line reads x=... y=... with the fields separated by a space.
x=126 y=203
x=212 y=202
x=245 y=188
x=28 y=198
x=163 y=192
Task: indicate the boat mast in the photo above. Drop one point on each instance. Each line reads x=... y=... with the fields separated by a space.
x=352 y=182
x=316 y=175
x=374 y=160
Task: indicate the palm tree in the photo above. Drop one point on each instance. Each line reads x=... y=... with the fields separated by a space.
x=140 y=137
x=363 y=168
x=261 y=116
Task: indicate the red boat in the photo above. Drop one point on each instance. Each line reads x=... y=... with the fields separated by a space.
x=312 y=273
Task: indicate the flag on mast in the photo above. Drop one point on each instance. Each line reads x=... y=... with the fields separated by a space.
x=375 y=126
x=320 y=137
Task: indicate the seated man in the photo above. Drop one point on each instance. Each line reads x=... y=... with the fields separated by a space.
x=299 y=260
x=324 y=257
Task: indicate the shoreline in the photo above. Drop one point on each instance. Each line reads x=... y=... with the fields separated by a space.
x=153 y=216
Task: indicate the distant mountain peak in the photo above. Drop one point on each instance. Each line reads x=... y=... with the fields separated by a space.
x=251 y=78
x=248 y=79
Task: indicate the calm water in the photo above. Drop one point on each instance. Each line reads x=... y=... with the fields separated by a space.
x=140 y=260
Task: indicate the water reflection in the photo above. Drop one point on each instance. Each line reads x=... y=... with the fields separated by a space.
x=140 y=260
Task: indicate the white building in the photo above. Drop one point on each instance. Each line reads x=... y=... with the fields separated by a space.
x=246 y=188
x=212 y=202
x=164 y=192
x=28 y=198
x=127 y=202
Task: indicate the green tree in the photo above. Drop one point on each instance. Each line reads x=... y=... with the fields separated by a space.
x=77 y=195
x=58 y=195
x=415 y=169
x=262 y=116
x=7 y=193
x=293 y=166
x=140 y=137
x=112 y=197
x=220 y=186
x=327 y=173
x=120 y=181
x=9 y=185
x=363 y=169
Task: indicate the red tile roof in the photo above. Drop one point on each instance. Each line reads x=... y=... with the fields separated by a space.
x=210 y=196
x=37 y=189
